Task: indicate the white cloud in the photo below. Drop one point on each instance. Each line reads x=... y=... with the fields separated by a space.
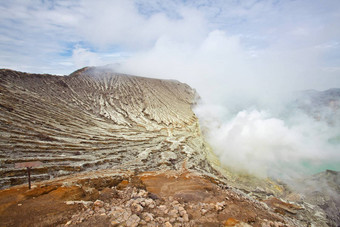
x=221 y=63
x=46 y=31
x=83 y=57
x=120 y=23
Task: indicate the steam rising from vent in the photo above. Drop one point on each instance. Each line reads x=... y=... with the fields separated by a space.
x=283 y=144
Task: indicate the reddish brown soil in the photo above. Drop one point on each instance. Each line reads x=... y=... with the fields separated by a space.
x=194 y=190
x=39 y=206
x=205 y=201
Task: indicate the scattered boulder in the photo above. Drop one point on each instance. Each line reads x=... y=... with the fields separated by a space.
x=133 y=220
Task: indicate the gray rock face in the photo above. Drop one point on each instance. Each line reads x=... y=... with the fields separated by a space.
x=323 y=190
x=95 y=119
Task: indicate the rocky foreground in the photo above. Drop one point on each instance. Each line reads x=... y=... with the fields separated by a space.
x=121 y=150
x=117 y=198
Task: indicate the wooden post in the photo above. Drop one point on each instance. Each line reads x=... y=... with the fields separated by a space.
x=29 y=177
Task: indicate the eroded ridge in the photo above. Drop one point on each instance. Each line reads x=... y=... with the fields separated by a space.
x=96 y=119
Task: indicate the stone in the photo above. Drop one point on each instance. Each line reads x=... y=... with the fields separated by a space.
x=167 y=224
x=181 y=208
x=152 y=224
x=119 y=214
x=142 y=193
x=175 y=202
x=133 y=221
x=186 y=217
x=204 y=211
x=102 y=210
x=180 y=219
x=150 y=203
x=182 y=211
x=163 y=208
x=136 y=208
x=173 y=213
x=98 y=203
x=219 y=206
x=160 y=219
x=147 y=217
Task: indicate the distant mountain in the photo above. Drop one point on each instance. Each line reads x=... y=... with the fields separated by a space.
x=322 y=105
x=320 y=98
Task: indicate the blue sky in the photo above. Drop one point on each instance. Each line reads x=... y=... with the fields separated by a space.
x=269 y=44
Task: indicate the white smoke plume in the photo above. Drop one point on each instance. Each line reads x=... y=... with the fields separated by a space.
x=283 y=144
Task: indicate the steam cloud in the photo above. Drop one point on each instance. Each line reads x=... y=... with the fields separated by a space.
x=260 y=143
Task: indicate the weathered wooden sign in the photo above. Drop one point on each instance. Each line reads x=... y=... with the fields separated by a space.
x=28 y=165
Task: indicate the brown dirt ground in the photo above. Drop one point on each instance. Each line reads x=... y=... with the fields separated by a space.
x=45 y=205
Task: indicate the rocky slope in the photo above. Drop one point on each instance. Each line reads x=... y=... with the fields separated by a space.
x=94 y=119
x=120 y=150
x=323 y=190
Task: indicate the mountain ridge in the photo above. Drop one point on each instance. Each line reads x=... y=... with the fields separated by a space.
x=84 y=119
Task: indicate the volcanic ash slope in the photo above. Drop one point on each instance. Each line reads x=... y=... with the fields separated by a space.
x=96 y=119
